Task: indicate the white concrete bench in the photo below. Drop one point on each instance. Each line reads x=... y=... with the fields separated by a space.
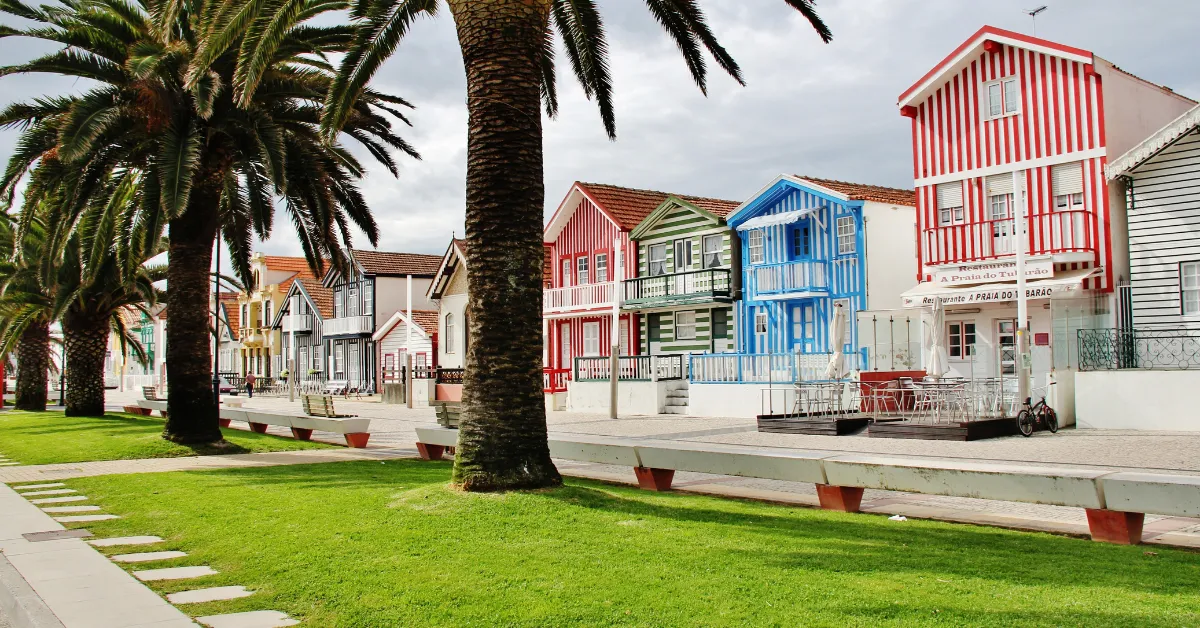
x=146 y=405
x=355 y=430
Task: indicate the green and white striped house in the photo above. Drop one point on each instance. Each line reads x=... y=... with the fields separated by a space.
x=688 y=277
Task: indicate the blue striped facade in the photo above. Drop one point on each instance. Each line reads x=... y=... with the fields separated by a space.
x=798 y=315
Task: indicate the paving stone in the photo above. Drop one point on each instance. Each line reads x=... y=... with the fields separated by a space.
x=213 y=594
x=29 y=487
x=56 y=491
x=80 y=518
x=125 y=540
x=59 y=500
x=174 y=573
x=252 y=619
x=9 y=464
x=145 y=557
x=55 y=535
x=54 y=509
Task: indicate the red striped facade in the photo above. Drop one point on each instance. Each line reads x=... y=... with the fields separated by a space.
x=1059 y=120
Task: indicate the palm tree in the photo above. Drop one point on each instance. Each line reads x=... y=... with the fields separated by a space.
x=508 y=52
x=24 y=326
x=221 y=113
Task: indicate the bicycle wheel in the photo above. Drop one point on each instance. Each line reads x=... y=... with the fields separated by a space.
x=1025 y=423
x=1051 y=419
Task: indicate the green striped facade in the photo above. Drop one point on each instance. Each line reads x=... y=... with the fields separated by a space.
x=679 y=224
x=659 y=331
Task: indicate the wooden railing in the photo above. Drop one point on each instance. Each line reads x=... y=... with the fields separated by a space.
x=713 y=282
x=587 y=296
x=302 y=323
x=784 y=368
x=347 y=325
x=631 y=368
x=555 y=380
x=799 y=276
x=1055 y=232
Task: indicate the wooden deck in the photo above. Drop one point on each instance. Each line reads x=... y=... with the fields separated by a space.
x=963 y=431
x=820 y=425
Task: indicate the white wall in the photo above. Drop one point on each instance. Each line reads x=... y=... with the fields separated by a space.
x=1137 y=400
x=455 y=304
x=391 y=295
x=891 y=253
x=738 y=400
x=1134 y=109
x=632 y=397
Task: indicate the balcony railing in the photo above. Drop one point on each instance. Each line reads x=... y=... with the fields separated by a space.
x=585 y=297
x=688 y=286
x=630 y=368
x=555 y=380
x=251 y=334
x=1056 y=232
x=780 y=368
x=806 y=276
x=347 y=325
x=301 y=324
x=1148 y=349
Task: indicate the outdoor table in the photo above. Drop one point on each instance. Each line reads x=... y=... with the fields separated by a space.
x=823 y=396
x=938 y=394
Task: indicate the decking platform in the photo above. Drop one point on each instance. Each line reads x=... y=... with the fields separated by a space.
x=818 y=424
x=962 y=431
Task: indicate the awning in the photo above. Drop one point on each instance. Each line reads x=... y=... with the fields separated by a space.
x=1068 y=283
x=783 y=218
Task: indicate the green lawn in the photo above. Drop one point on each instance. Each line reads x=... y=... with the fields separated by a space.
x=389 y=544
x=50 y=437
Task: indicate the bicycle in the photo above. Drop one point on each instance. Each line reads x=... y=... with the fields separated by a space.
x=1036 y=414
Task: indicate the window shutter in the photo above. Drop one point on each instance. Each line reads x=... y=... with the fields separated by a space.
x=999 y=184
x=950 y=194
x=1067 y=178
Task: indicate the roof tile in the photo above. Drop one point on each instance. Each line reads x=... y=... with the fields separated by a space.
x=863 y=192
x=630 y=206
x=385 y=263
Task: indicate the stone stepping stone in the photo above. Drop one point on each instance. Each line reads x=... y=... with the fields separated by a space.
x=174 y=573
x=125 y=540
x=214 y=594
x=145 y=557
x=28 y=487
x=56 y=491
x=10 y=464
x=252 y=619
x=59 y=500
x=54 y=509
x=81 y=518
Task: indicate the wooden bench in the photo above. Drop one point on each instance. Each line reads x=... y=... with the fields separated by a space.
x=1115 y=502
x=448 y=413
x=151 y=393
x=354 y=430
x=321 y=405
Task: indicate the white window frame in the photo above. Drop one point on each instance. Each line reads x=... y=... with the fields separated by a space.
x=846 y=235
x=591 y=339
x=623 y=338
x=565 y=277
x=757 y=247
x=352 y=301
x=339 y=360
x=761 y=324
x=1189 y=288
x=656 y=265
x=713 y=250
x=960 y=342
x=685 y=325
x=1008 y=92
x=368 y=299
x=582 y=272
x=1068 y=202
x=602 y=268
x=683 y=254
x=448 y=334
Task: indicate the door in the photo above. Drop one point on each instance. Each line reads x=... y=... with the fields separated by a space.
x=1006 y=347
x=564 y=346
x=803 y=328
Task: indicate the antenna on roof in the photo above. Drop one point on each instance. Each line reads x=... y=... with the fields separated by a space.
x=1033 y=15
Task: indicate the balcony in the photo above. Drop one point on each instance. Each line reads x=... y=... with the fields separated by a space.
x=592 y=296
x=348 y=326
x=698 y=286
x=789 y=279
x=252 y=336
x=1057 y=233
x=302 y=324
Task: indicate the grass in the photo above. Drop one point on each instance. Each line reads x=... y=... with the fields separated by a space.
x=390 y=544
x=51 y=437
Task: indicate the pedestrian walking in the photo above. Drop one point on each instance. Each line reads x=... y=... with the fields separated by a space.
x=250 y=385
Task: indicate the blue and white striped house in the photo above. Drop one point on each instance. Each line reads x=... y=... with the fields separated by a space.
x=808 y=244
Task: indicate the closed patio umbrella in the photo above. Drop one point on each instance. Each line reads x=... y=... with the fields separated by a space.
x=938 y=363
x=837 y=338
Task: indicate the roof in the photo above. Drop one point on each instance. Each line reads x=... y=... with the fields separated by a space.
x=292 y=264
x=547 y=266
x=232 y=311
x=321 y=296
x=864 y=192
x=630 y=206
x=426 y=320
x=396 y=264
x=447 y=264
x=1151 y=146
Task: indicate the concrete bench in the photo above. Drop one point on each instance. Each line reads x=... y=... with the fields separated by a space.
x=147 y=405
x=355 y=430
x=236 y=402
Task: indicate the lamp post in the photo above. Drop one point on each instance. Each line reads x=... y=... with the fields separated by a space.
x=216 y=381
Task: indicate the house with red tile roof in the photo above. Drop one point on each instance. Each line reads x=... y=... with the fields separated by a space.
x=261 y=345
x=312 y=304
x=449 y=291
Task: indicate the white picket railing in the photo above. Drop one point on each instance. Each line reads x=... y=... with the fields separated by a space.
x=347 y=325
x=790 y=277
x=587 y=296
x=763 y=367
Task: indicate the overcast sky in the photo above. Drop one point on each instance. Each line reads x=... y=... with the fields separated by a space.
x=808 y=108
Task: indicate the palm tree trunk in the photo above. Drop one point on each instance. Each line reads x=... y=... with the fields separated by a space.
x=191 y=409
x=502 y=436
x=33 y=360
x=86 y=338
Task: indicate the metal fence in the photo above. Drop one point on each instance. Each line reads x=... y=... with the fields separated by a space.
x=630 y=368
x=764 y=367
x=1148 y=349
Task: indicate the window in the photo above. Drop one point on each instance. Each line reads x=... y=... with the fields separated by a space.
x=623 y=340
x=448 y=333
x=337 y=303
x=339 y=359
x=316 y=361
x=760 y=323
x=1067 y=181
x=565 y=277
x=1000 y=196
x=1189 y=283
x=720 y=323
x=801 y=244
x=245 y=318
x=845 y=235
x=1002 y=98
x=581 y=266
x=962 y=339
x=950 y=203
x=601 y=267
x=683 y=254
x=685 y=325
x=368 y=299
x=756 y=247
x=657 y=254
x=352 y=302
x=591 y=339
x=713 y=247
x=266 y=313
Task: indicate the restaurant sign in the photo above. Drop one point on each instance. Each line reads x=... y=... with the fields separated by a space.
x=991 y=294
x=984 y=272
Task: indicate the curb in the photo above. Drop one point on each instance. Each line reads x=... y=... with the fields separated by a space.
x=20 y=603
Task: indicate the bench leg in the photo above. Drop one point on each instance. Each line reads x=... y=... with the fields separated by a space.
x=1115 y=526
x=225 y=422
x=357 y=440
x=300 y=433
x=843 y=498
x=654 y=479
x=259 y=428
x=430 y=452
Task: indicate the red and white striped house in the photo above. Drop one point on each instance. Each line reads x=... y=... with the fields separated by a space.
x=1007 y=114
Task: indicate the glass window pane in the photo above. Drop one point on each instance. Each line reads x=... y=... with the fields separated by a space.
x=1010 y=96
x=994 y=100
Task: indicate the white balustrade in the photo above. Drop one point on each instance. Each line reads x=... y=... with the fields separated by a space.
x=587 y=296
x=348 y=325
